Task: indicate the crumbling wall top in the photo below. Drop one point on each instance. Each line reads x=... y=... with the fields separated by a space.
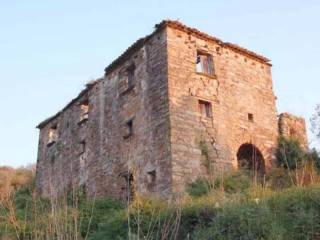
x=140 y=43
x=196 y=32
x=291 y=126
x=83 y=92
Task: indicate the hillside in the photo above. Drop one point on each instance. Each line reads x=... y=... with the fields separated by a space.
x=283 y=205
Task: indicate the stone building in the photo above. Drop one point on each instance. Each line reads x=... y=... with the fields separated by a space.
x=176 y=105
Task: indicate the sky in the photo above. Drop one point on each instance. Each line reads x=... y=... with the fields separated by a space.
x=50 y=49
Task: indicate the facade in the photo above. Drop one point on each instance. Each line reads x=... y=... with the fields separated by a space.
x=176 y=105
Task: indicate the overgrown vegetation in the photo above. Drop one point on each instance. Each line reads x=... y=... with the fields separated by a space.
x=285 y=207
x=291 y=155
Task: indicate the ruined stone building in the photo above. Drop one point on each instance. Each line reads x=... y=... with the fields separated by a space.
x=173 y=101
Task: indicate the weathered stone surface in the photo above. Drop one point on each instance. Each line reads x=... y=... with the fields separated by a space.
x=153 y=131
x=291 y=126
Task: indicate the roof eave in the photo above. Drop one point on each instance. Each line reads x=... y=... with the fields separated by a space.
x=81 y=94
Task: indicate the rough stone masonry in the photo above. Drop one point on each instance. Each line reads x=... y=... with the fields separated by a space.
x=176 y=105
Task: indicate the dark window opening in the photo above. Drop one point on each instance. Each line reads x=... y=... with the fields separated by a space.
x=205 y=109
x=204 y=63
x=53 y=134
x=250 y=117
x=82 y=147
x=128 y=189
x=152 y=177
x=152 y=180
x=131 y=78
x=129 y=129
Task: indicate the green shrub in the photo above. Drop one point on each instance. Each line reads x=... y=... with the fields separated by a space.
x=290 y=215
x=102 y=215
x=248 y=221
x=279 y=179
x=290 y=154
x=199 y=187
x=234 y=182
x=241 y=212
x=313 y=156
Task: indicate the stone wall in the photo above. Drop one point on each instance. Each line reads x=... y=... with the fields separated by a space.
x=110 y=154
x=240 y=86
x=157 y=122
x=291 y=126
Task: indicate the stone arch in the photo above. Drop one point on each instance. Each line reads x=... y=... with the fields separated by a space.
x=250 y=157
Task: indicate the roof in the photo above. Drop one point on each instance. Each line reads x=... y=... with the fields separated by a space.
x=140 y=42
x=82 y=93
x=178 y=25
x=235 y=47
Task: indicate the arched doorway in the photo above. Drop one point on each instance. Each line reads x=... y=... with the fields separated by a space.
x=250 y=158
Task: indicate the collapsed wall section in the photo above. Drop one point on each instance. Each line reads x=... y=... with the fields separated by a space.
x=291 y=126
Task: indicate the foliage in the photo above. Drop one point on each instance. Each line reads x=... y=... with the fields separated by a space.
x=205 y=152
x=279 y=179
x=234 y=182
x=235 y=209
x=107 y=217
x=290 y=154
x=293 y=214
x=313 y=156
x=199 y=187
x=13 y=179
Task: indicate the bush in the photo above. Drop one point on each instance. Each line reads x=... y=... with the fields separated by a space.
x=289 y=215
x=12 y=180
x=240 y=212
x=290 y=154
x=103 y=216
x=199 y=187
x=279 y=179
x=313 y=156
x=235 y=182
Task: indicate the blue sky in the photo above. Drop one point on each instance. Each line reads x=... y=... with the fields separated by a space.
x=50 y=49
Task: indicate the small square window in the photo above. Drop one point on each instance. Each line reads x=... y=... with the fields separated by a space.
x=152 y=177
x=250 y=117
x=205 y=109
x=204 y=63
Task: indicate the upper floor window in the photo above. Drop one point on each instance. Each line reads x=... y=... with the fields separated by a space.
x=127 y=80
x=84 y=108
x=130 y=76
x=53 y=134
x=205 y=109
x=204 y=63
